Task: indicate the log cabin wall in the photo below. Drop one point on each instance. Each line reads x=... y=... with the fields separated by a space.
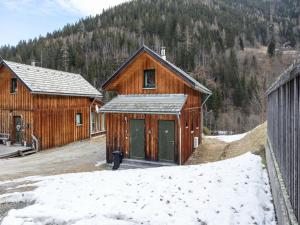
x=130 y=81
x=54 y=118
x=117 y=136
x=19 y=103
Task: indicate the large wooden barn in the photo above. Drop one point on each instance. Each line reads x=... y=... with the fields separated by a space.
x=49 y=106
x=157 y=113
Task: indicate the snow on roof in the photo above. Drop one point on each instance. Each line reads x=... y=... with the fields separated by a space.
x=194 y=83
x=47 y=81
x=162 y=104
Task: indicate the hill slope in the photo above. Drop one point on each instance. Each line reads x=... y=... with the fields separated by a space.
x=206 y=38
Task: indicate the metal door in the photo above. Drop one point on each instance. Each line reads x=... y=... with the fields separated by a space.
x=166 y=140
x=137 y=139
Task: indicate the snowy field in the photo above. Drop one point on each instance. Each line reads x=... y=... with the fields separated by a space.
x=234 y=191
x=228 y=138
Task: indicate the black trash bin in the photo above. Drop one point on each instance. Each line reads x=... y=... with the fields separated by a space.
x=117 y=158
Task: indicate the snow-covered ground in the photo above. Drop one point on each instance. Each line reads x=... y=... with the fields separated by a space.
x=234 y=191
x=228 y=138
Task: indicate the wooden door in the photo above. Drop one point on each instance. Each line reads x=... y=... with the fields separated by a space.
x=166 y=140
x=17 y=129
x=137 y=139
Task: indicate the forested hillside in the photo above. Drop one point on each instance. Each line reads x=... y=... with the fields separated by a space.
x=219 y=42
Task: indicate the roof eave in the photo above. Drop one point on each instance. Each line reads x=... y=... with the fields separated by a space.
x=66 y=94
x=141 y=112
x=156 y=56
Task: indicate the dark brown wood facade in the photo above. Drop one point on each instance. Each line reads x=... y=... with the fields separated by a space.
x=51 y=119
x=130 y=81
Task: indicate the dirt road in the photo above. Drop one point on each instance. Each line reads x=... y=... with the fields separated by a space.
x=76 y=157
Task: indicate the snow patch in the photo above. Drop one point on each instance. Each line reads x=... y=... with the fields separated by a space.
x=233 y=191
x=229 y=138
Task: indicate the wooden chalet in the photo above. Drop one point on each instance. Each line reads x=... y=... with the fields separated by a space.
x=157 y=113
x=47 y=106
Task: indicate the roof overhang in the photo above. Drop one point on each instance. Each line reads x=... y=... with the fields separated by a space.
x=146 y=104
x=183 y=75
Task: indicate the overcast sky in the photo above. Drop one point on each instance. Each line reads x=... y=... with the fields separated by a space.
x=24 y=19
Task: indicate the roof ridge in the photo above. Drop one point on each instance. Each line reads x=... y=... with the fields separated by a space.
x=39 y=67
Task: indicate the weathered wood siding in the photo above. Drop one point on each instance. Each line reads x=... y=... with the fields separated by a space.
x=15 y=104
x=284 y=135
x=117 y=138
x=50 y=118
x=54 y=118
x=130 y=81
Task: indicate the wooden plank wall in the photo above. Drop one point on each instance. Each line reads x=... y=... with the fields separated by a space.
x=118 y=138
x=130 y=81
x=7 y=126
x=15 y=104
x=54 y=118
x=284 y=133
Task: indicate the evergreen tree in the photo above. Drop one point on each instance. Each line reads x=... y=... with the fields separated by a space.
x=241 y=43
x=271 y=48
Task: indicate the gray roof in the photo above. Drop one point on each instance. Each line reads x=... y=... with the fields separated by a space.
x=146 y=104
x=53 y=82
x=194 y=83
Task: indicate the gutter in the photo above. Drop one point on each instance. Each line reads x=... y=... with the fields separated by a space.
x=202 y=113
x=179 y=125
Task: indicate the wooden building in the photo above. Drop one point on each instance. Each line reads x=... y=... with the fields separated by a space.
x=51 y=107
x=157 y=113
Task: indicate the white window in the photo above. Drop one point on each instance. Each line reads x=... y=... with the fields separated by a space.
x=78 y=119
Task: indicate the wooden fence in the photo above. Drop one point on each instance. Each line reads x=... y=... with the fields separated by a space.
x=284 y=130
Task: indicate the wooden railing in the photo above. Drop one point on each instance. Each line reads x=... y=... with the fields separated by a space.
x=284 y=130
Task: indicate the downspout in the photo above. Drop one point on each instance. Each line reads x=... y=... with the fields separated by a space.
x=202 y=113
x=90 y=123
x=179 y=125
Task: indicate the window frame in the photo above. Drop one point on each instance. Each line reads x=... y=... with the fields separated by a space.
x=81 y=119
x=144 y=80
x=13 y=85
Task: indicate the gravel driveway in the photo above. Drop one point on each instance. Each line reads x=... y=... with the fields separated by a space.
x=81 y=156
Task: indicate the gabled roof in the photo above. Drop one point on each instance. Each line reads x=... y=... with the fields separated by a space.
x=194 y=83
x=146 y=104
x=51 y=82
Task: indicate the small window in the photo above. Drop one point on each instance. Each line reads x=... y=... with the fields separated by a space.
x=78 y=119
x=149 y=78
x=13 y=85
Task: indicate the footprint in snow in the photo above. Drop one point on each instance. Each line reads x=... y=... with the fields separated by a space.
x=201 y=222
